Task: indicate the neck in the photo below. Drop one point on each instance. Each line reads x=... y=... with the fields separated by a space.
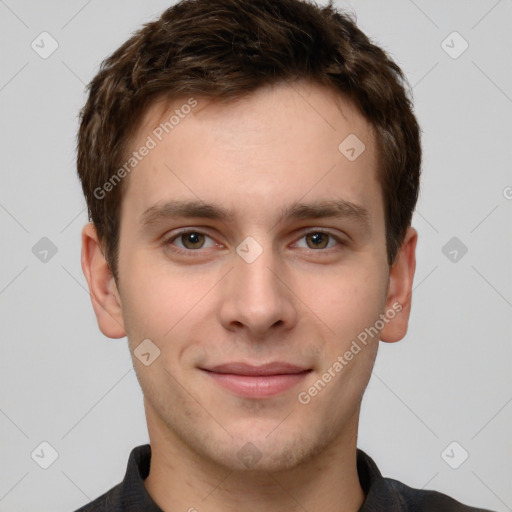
x=181 y=480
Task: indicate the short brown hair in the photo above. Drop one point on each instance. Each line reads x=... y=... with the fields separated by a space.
x=225 y=49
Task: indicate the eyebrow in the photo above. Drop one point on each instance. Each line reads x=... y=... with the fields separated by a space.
x=335 y=208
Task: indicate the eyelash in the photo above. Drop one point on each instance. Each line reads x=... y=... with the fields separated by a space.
x=190 y=252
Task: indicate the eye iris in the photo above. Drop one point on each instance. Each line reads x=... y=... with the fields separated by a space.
x=193 y=239
x=317 y=239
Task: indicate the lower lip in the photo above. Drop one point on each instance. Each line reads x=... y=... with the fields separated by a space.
x=257 y=386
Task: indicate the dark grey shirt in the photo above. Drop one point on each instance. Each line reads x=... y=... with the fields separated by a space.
x=381 y=494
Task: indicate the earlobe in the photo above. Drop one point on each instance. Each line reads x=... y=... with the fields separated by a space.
x=399 y=295
x=102 y=288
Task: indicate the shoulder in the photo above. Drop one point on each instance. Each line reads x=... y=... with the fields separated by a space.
x=388 y=494
x=104 y=502
x=421 y=500
x=130 y=494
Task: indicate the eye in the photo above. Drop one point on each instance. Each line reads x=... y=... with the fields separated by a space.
x=190 y=240
x=320 y=240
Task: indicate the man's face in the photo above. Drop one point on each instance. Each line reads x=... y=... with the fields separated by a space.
x=256 y=288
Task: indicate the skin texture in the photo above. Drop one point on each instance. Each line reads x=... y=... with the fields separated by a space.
x=295 y=303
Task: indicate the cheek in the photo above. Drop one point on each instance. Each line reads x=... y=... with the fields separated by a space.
x=160 y=303
x=349 y=301
x=151 y=290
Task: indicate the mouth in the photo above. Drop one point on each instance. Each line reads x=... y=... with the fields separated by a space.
x=263 y=381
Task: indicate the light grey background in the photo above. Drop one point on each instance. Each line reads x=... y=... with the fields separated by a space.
x=63 y=382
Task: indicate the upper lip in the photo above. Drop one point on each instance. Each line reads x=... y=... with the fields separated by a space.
x=275 y=368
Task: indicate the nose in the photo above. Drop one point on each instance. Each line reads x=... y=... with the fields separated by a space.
x=256 y=297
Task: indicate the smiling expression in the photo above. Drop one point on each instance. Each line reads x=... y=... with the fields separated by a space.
x=252 y=253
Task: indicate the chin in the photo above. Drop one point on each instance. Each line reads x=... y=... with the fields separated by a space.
x=263 y=453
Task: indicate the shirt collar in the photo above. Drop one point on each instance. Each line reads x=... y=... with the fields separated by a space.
x=133 y=494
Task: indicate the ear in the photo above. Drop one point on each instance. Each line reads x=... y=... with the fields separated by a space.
x=401 y=276
x=102 y=287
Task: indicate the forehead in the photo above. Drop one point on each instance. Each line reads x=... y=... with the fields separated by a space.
x=255 y=155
